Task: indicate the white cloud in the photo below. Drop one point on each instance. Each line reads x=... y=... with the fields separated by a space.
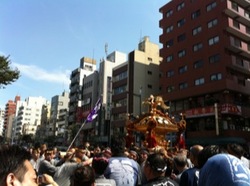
x=40 y=74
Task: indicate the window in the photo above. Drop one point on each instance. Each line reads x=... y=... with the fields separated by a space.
x=181 y=37
x=247 y=14
x=216 y=77
x=183 y=85
x=170 y=73
x=213 y=40
x=169 y=29
x=88 y=84
x=150 y=72
x=235 y=6
x=198 y=64
x=182 y=69
x=197 y=47
x=169 y=13
x=211 y=6
x=212 y=23
x=169 y=58
x=170 y=43
x=119 y=116
x=240 y=62
x=247 y=30
x=199 y=81
x=214 y=58
x=181 y=53
x=88 y=67
x=237 y=42
x=236 y=24
x=120 y=76
x=170 y=88
x=119 y=90
x=196 y=14
x=120 y=103
x=150 y=86
x=197 y=30
x=180 y=6
x=181 y=22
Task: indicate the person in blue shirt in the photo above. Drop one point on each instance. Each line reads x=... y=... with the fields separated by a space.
x=125 y=171
x=224 y=170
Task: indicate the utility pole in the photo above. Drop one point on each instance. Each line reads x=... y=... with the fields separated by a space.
x=216 y=119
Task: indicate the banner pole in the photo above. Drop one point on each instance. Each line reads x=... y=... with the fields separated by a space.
x=76 y=136
x=92 y=115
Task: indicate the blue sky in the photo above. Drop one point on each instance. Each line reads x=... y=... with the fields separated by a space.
x=46 y=39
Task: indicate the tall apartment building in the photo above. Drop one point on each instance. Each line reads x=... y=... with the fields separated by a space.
x=206 y=67
x=98 y=85
x=28 y=116
x=1 y=122
x=42 y=132
x=58 y=116
x=90 y=94
x=10 y=112
x=111 y=61
x=87 y=67
x=133 y=82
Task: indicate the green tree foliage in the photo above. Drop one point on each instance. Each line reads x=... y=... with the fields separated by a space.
x=7 y=74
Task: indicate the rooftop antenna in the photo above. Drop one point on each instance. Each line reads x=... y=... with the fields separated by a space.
x=106 y=49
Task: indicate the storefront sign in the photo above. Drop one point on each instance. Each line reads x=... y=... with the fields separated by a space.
x=208 y=111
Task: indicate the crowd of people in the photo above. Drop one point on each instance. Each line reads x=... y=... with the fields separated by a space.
x=117 y=165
